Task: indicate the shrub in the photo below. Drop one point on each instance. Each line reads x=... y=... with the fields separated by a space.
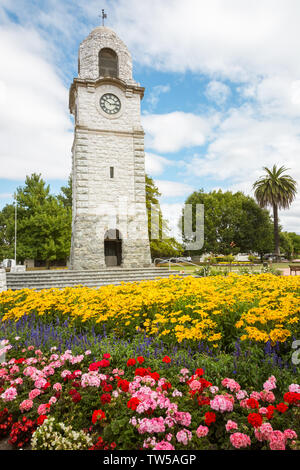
x=52 y=435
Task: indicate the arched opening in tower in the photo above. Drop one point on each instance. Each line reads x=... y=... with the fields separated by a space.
x=113 y=248
x=108 y=63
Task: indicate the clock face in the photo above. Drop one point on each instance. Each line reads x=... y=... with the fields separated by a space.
x=110 y=103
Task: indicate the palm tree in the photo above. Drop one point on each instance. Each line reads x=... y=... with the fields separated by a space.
x=278 y=191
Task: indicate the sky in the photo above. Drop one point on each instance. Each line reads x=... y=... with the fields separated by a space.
x=222 y=96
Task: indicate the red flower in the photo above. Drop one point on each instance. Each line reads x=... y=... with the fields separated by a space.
x=106 y=387
x=210 y=418
x=270 y=412
x=203 y=400
x=199 y=372
x=19 y=361
x=47 y=385
x=166 y=386
x=154 y=375
x=76 y=398
x=103 y=363
x=252 y=403
x=131 y=362
x=282 y=407
x=255 y=419
x=105 y=398
x=140 y=359
x=94 y=366
x=106 y=356
x=123 y=385
x=166 y=359
x=292 y=398
x=133 y=403
x=141 y=371
x=98 y=415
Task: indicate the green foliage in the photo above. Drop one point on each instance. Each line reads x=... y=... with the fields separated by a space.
x=43 y=224
x=163 y=246
x=233 y=223
x=277 y=190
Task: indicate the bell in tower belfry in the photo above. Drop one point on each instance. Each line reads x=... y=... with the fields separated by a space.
x=109 y=217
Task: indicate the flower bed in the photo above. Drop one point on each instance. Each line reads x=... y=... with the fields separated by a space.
x=75 y=401
x=216 y=310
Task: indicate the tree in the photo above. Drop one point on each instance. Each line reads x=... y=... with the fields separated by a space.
x=43 y=224
x=233 y=222
x=278 y=191
x=286 y=244
x=290 y=244
x=163 y=246
x=66 y=197
x=295 y=239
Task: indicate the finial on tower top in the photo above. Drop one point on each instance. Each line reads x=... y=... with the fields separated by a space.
x=104 y=16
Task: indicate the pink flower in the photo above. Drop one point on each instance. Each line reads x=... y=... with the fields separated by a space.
x=266 y=431
x=277 y=440
x=26 y=405
x=163 y=445
x=57 y=387
x=182 y=418
x=202 y=431
x=239 y=440
x=255 y=395
x=231 y=384
x=43 y=409
x=231 y=425
x=34 y=393
x=270 y=384
x=241 y=395
x=294 y=388
x=3 y=372
x=9 y=394
x=222 y=403
x=40 y=382
x=151 y=425
x=195 y=385
x=184 y=436
x=267 y=396
x=290 y=434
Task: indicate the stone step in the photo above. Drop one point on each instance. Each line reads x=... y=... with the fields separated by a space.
x=65 y=274
x=88 y=279
x=14 y=282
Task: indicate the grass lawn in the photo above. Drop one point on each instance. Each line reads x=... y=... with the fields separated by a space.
x=190 y=269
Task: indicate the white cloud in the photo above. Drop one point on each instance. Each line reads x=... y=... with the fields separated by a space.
x=217 y=92
x=153 y=97
x=243 y=144
x=155 y=165
x=35 y=129
x=173 y=188
x=174 y=131
x=234 y=39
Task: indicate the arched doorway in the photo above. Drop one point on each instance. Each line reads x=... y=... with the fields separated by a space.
x=113 y=248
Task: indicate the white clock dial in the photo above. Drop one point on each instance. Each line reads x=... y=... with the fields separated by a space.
x=110 y=103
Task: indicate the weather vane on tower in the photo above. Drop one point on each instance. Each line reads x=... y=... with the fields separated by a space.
x=104 y=16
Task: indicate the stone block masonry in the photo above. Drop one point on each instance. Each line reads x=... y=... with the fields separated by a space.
x=3 y=285
x=108 y=162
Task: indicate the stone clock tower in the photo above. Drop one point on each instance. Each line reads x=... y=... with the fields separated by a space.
x=109 y=226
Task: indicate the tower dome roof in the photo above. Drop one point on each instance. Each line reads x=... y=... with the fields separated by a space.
x=99 y=38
